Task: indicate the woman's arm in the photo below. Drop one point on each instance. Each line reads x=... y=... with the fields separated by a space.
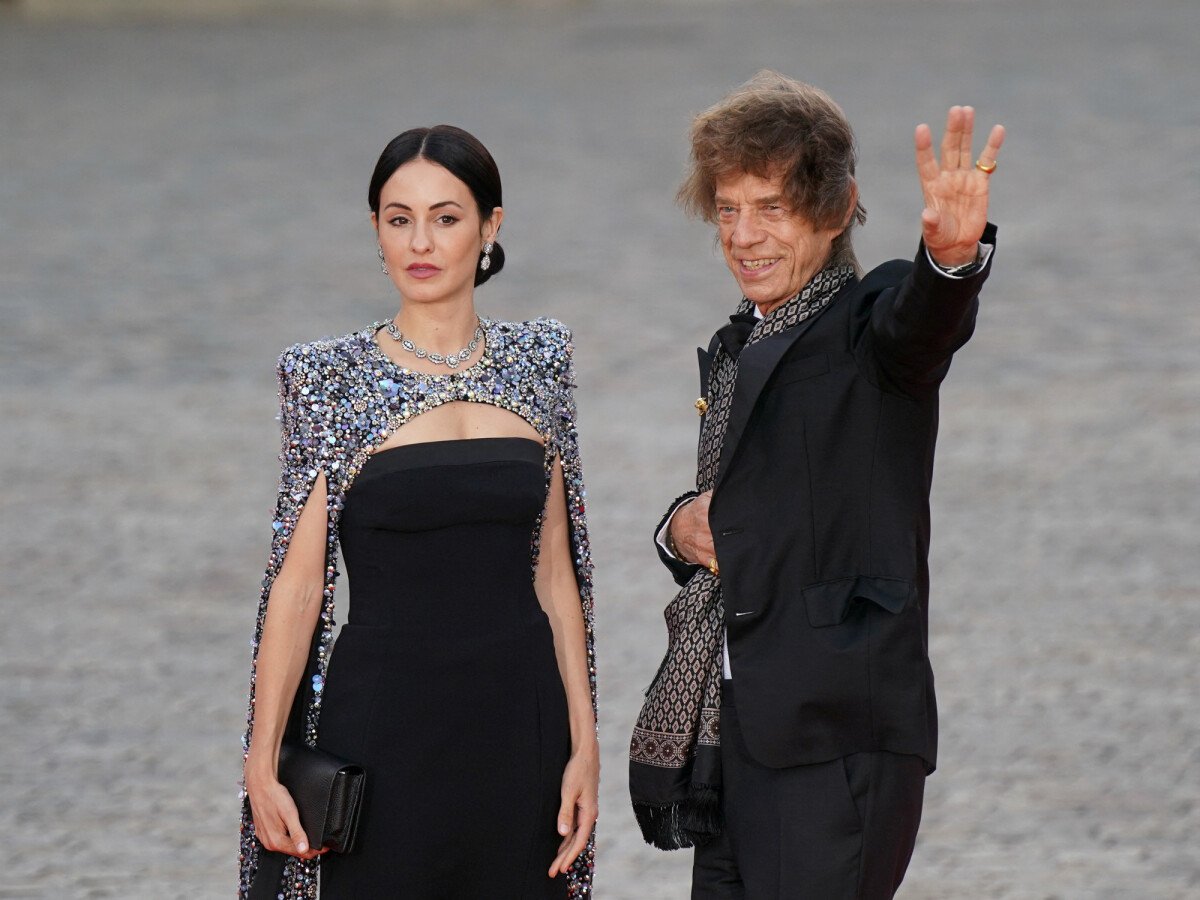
x=558 y=592
x=292 y=611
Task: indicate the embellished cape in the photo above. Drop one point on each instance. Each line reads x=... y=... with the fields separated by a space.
x=340 y=399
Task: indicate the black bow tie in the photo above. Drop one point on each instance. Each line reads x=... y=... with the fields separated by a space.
x=733 y=336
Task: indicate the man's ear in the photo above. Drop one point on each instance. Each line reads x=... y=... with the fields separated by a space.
x=852 y=206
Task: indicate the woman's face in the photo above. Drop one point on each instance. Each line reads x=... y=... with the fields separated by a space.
x=430 y=232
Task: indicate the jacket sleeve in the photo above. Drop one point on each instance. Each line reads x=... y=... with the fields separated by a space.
x=916 y=326
x=681 y=571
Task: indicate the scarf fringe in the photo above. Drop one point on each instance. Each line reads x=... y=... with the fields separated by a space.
x=702 y=814
x=677 y=826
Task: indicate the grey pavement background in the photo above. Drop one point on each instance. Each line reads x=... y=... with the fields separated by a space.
x=180 y=201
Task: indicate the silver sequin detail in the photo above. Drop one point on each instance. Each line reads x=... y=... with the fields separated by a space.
x=342 y=398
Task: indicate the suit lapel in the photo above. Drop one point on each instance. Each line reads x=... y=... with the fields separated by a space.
x=755 y=366
x=705 y=358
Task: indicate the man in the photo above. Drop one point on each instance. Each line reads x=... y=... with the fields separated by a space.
x=792 y=724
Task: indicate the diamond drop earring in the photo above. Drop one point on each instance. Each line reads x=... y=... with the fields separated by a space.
x=382 y=261
x=486 y=262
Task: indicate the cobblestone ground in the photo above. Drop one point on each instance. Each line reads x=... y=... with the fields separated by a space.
x=179 y=202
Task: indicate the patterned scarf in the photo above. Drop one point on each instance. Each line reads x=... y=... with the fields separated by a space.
x=674 y=755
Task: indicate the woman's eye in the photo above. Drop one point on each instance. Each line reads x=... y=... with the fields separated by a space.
x=398 y=220
x=447 y=219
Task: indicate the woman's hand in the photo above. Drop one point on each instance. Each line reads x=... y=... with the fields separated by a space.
x=956 y=191
x=276 y=821
x=580 y=805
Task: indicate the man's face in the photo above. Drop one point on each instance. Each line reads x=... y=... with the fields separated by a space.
x=771 y=251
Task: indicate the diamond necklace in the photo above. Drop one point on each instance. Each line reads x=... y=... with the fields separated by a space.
x=452 y=361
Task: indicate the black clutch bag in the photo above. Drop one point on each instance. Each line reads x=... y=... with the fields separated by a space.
x=328 y=792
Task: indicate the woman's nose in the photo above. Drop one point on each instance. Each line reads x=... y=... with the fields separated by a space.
x=421 y=238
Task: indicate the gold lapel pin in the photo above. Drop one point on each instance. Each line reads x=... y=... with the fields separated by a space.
x=701 y=405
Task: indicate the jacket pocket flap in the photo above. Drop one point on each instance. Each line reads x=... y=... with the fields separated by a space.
x=829 y=602
x=802 y=368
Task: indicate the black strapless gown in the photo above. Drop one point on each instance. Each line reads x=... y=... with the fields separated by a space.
x=443 y=683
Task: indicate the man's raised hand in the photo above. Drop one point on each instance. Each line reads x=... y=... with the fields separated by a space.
x=956 y=189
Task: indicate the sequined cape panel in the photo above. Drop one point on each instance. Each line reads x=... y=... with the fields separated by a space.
x=339 y=400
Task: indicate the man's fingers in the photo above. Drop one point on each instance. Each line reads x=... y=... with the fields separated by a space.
x=931 y=222
x=693 y=538
x=927 y=167
x=992 y=149
x=965 y=137
x=952 y=139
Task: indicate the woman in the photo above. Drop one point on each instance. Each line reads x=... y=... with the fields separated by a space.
x=438 y=450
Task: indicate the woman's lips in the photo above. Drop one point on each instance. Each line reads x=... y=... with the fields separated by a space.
x=422 y=270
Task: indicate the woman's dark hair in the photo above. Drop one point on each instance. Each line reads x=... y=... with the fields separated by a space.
x=463 y=156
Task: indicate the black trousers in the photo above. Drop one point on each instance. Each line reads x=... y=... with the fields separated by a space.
x=840 y=830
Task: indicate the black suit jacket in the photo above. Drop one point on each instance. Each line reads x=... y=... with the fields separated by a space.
x=820 y=516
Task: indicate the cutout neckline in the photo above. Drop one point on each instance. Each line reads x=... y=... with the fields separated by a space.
x=480 y=440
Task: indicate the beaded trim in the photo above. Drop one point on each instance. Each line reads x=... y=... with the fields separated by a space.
x=339 y=400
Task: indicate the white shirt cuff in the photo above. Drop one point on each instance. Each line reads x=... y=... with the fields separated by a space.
x=985 y=253
x=661 y=537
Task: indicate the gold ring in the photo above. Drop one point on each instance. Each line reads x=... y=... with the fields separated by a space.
x=986 y=170
x=713 y=567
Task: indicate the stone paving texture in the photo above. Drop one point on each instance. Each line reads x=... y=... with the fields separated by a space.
x=181 y=201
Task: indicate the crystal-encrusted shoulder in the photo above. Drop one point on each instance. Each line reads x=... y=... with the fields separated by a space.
x=339 y=398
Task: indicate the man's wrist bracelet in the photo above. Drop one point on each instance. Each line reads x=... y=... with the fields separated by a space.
x=671 y=548
x=959 y=271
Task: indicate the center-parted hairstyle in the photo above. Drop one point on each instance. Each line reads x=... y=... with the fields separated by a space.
x=463 y=156
x=775 y=126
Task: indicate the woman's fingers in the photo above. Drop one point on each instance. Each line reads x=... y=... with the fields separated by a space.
x=575 y=840
x=566 y=822
x=566 y=815
x=585 y=822
x=281 y=831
